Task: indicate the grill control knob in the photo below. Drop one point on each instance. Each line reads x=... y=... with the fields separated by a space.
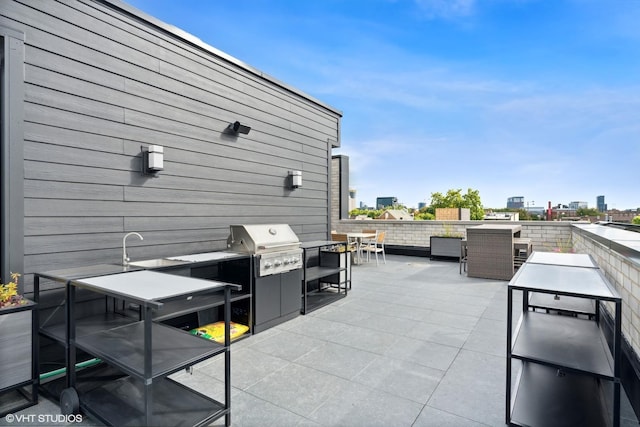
x=267 y=265
x=277 y=263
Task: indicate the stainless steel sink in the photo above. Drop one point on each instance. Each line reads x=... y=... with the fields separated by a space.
x=157 y=263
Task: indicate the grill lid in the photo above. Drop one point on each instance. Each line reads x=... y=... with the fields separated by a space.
x=262 y=238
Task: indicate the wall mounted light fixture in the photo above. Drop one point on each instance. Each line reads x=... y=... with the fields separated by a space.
x=296 y=179
x=237 y=127
x=152 y=159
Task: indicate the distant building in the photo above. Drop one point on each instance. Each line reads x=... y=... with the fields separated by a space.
x=622 y=216
x=578 y=205
x=516 y=202
x=503 y=216
x=562 y=213
x=422 y=205
x=397 y=214
x=602 y=206
x=361 y=217
x=535 y=210
x=352 y=199
x=384 y=202
x=453 y=214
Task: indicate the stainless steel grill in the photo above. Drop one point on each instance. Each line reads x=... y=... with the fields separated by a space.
x=275 y=246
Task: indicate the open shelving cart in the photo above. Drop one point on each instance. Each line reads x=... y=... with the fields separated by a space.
x=131 y=386
x=569 y=374
x=326 y=273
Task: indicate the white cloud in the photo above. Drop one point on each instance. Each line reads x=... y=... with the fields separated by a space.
x=446 y=9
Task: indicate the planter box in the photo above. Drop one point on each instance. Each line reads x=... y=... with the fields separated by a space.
x=17 y=358
x=445 y=246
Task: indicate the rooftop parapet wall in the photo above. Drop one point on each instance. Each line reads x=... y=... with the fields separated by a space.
x=616 y=253
x=544 y=235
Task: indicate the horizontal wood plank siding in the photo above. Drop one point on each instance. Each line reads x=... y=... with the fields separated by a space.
x=100 y=85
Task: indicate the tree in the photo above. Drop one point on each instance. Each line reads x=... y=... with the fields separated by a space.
x=636 y=220
x=588 y=212
x=371 y=213
x=426 y=216
x=455 y=199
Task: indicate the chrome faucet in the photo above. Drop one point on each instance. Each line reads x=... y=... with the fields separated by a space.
x=125 y=256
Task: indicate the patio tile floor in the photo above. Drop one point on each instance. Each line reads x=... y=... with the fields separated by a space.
x=414 y=344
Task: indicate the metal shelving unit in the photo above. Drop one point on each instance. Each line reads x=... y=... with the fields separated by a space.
x=558 y=303
x=130 y=387
x=568 y=375
x=328 y=266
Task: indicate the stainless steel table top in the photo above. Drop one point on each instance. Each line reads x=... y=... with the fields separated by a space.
x=561 y=279
x=148 y=286
x=560 y=258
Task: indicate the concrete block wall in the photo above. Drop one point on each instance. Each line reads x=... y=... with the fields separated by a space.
x=544 y=235
x=624 y=274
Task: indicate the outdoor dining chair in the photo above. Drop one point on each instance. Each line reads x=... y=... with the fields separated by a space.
x=343 y=237
x=463 y=255
x=376 y=246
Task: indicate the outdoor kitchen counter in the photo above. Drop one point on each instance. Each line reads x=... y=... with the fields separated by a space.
x=207 y=257
x=206 y=265
x=196 y=265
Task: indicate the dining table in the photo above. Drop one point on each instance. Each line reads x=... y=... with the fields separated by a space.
x=359 y=238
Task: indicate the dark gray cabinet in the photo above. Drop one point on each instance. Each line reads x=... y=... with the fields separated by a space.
x=567 y=373
x=18 y=358
x=220 y=266
x=276 y=299
x=441 y=246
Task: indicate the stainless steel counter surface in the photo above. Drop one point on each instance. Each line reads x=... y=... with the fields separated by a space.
x=66 y=274
x=558 y=258
x=566 y=280
x=148 y=286
x=208 y=256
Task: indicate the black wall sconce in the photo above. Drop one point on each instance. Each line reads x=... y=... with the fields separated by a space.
x=152 y=159
x=296 y=179
x=237 y=127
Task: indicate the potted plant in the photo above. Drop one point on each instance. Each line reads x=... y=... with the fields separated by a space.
x=446 y=244
x=17 y=368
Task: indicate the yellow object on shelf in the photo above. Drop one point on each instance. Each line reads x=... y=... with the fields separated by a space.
x=215 y=331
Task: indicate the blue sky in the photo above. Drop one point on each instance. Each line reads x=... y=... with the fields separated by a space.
x=532 y=98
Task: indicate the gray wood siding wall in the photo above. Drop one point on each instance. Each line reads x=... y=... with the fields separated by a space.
x=99 y=85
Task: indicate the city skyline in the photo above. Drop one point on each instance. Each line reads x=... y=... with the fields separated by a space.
x=507 y=97
x=528 y=204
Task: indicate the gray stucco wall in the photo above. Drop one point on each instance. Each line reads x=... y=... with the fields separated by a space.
x=100 y=84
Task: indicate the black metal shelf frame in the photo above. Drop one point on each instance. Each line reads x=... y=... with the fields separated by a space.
x=567 y=365
x=316 y=267
x=144 y=351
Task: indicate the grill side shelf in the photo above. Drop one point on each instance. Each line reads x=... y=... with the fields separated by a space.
x=326 y=274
